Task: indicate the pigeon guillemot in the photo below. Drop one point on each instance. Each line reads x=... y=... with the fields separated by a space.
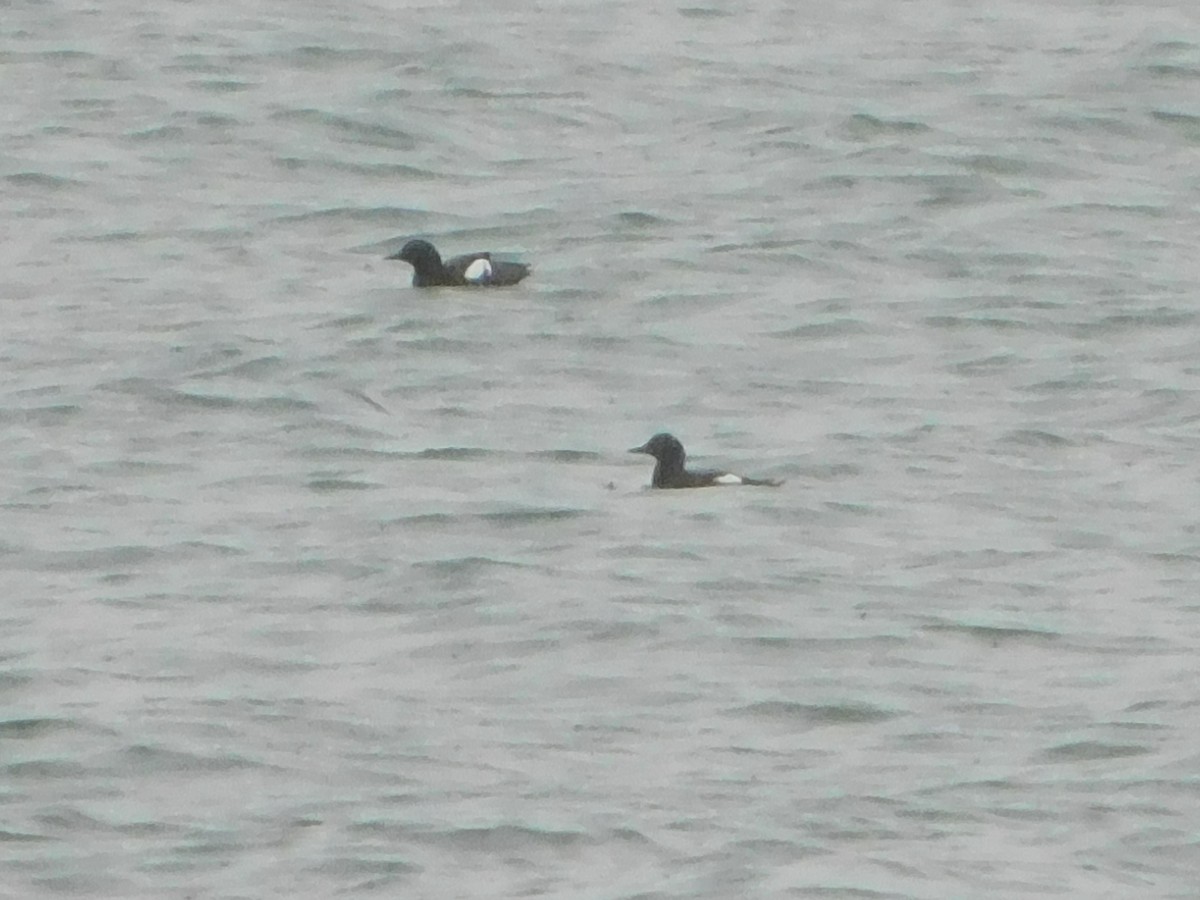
x=469 y=269
x=669 y=471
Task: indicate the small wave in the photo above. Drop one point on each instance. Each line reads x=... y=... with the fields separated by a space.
x=995 y=634
x=337 y=485
x=41 y=180
x=566 y=455
x=24 y=729
x=704 y=12
x=1035 y=437
x=223 y=85
x=392 y=172
x=353 y=130
x=44 y=769
x=643 y=551
x=504 y=838
x=817 y=714
x=1082 y=751
x=453 y=453
x=16 y=837
x=638 y=219
x=314 y=57
x=993 y=323
x=531 y=516
x=864 y=126
x=468 y=565
x=831 y=328
x=55 y=414
x=225 y=401
x=146 y=758
x=106 y=559
x=391 y=216
x=1186 y=123
x=255 y=369
x=1172 y=71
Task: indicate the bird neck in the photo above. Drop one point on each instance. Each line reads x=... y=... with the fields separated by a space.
x=429 y=271
x=665 y=470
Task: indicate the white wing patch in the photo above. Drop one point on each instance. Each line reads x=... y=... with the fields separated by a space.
x=727 y=479
x=479 y=270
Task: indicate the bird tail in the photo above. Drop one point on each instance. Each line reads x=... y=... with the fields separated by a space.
x=763 y=482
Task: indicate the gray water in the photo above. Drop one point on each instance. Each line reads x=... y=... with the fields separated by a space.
x=315 y=585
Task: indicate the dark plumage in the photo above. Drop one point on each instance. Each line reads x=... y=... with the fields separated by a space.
x=470 y=269
x=669 y=470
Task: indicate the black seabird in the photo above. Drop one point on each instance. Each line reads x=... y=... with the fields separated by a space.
x=669 y=471
x=470 y=269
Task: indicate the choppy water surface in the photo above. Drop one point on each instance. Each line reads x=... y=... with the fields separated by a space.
x=315 y=585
